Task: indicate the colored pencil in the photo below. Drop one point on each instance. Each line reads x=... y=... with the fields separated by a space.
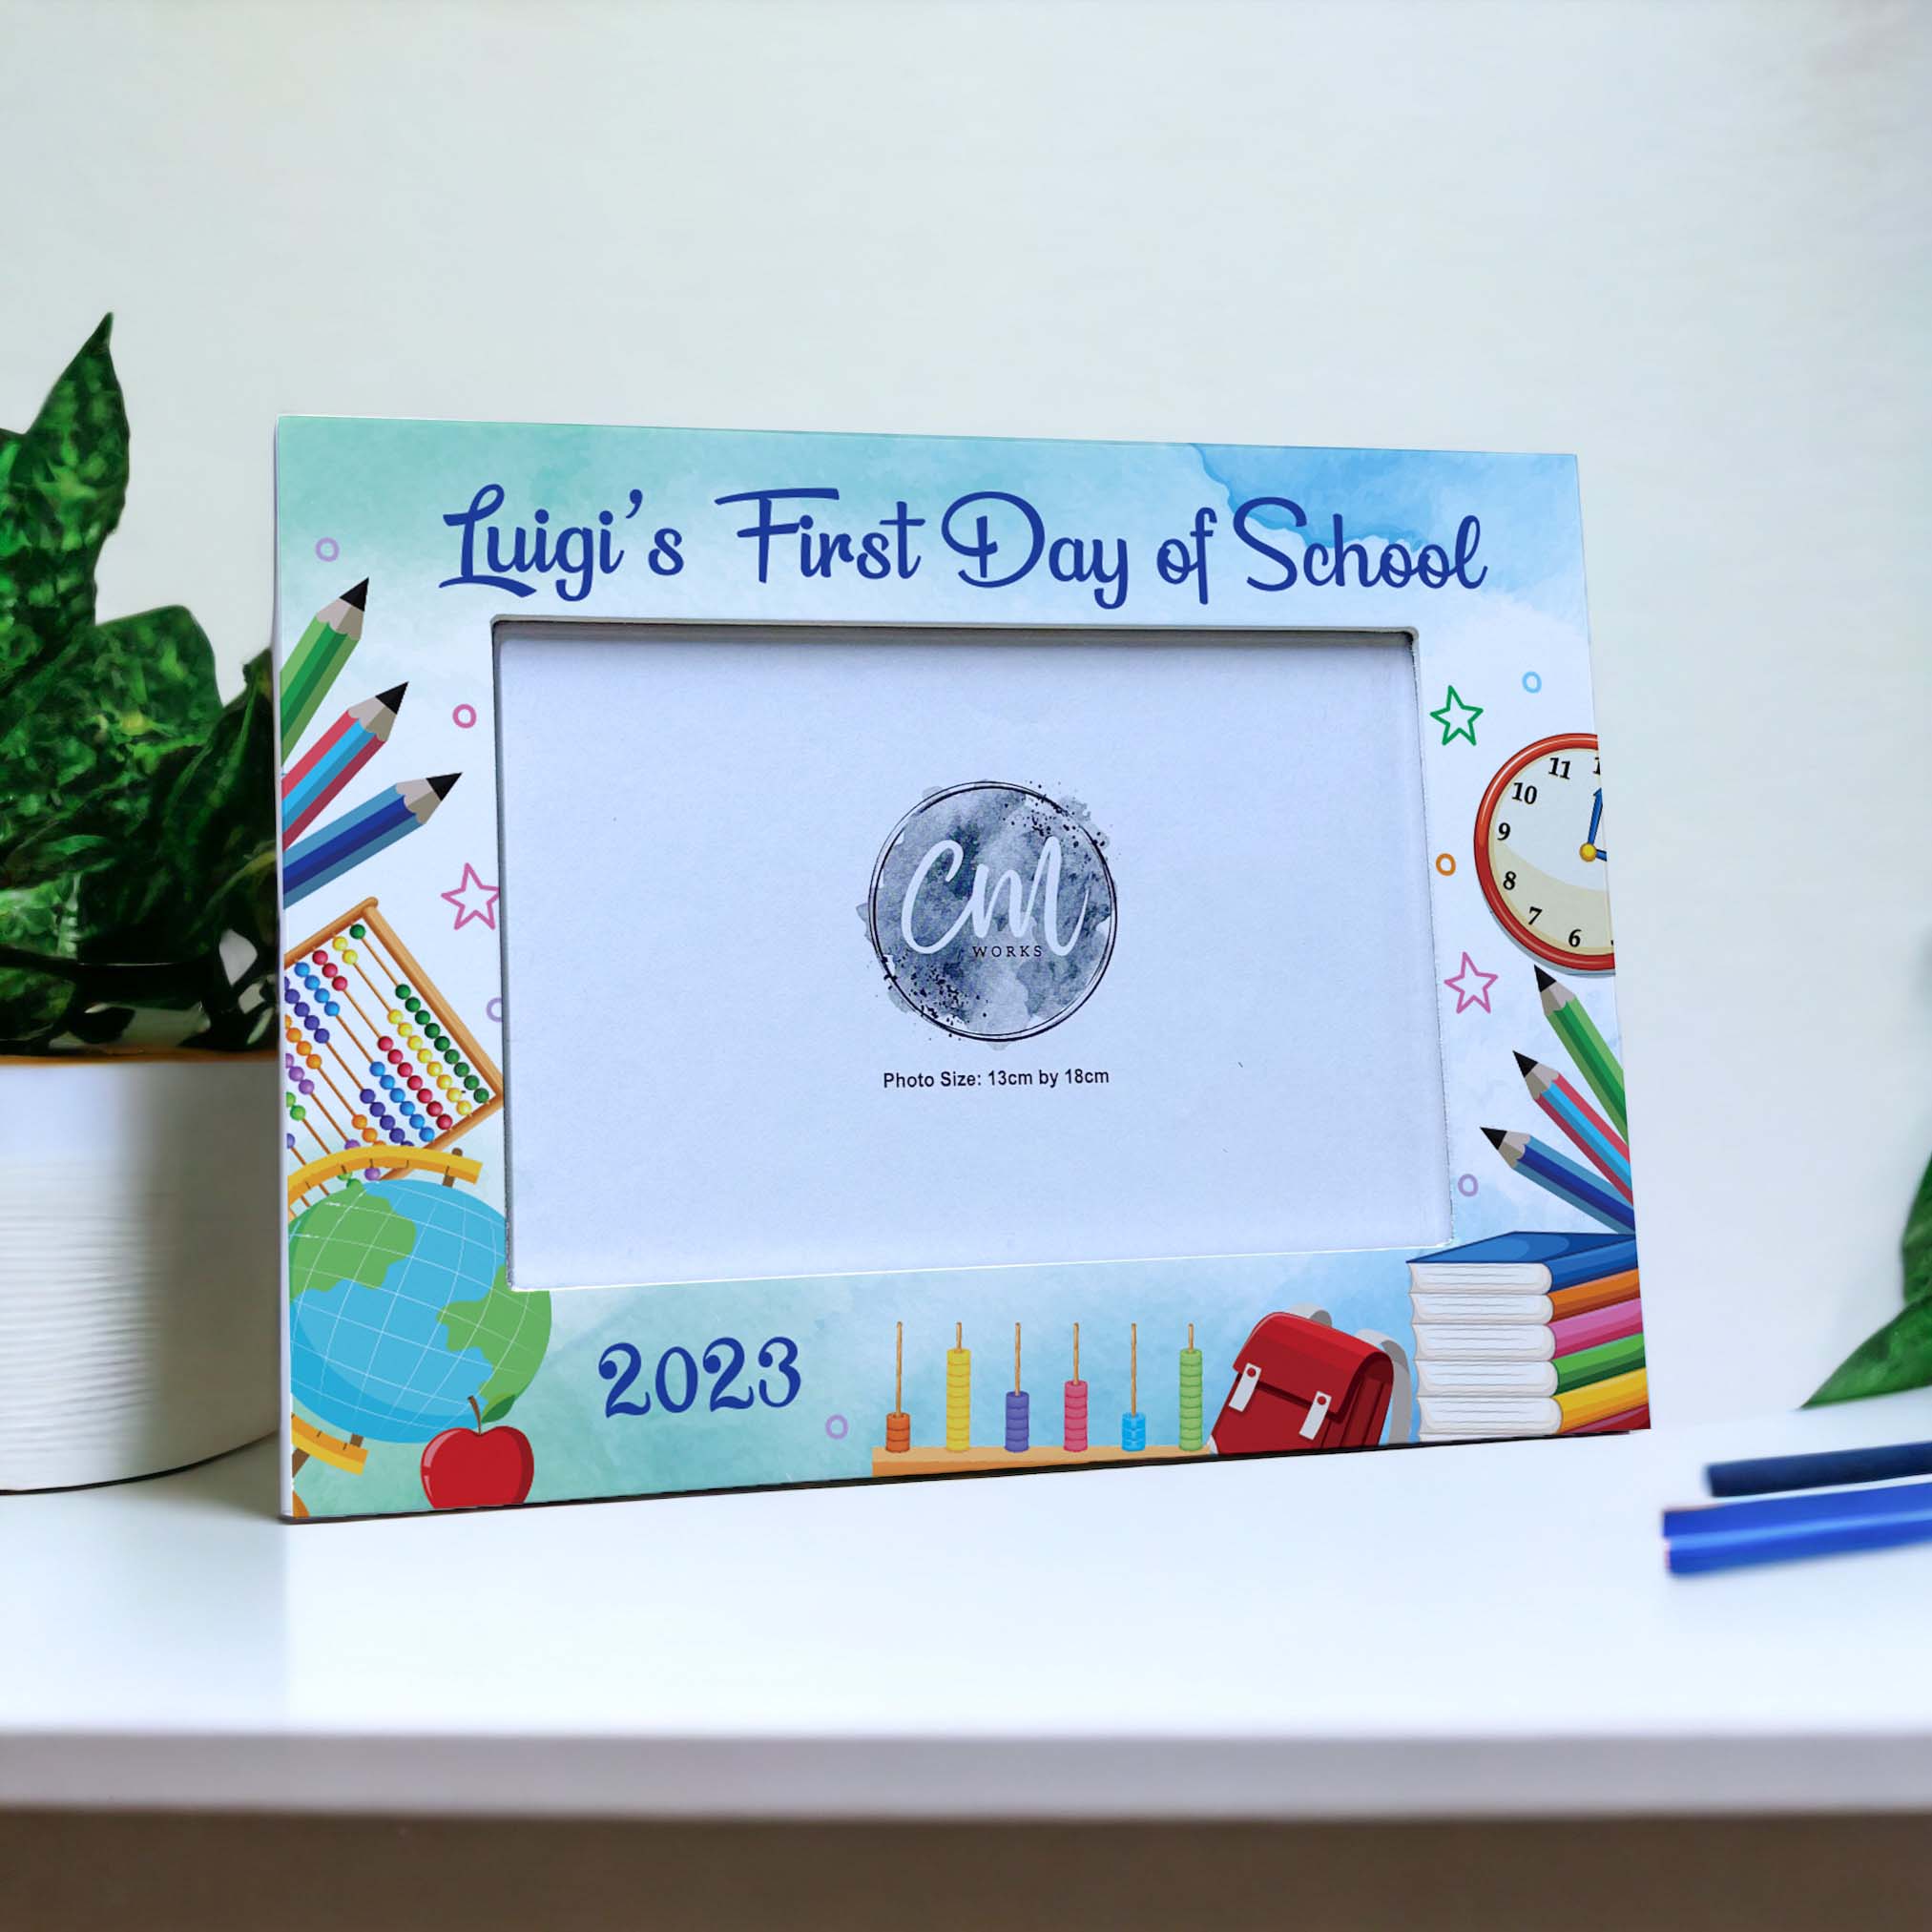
x=1608 y=1291
x=1596 y=1403
x=1798 y=1513
x=1594 y=1060
x=1630 y=1419
x=1564 y=1179
x=1575 y=1333
x=316 y=660
x=1586 y=1366
x=1704 y=1555
x=1767 y=1475
x=360 y=834
x=334 y=757
x=1598 y=1141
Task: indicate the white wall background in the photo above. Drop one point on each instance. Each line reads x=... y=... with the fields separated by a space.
x=1687 y=241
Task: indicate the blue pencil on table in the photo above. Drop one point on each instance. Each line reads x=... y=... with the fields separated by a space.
x=1772 y=1515
x=1564 y=1179
x=1833 y=1535
x=1819 y=1469
x=360 y=834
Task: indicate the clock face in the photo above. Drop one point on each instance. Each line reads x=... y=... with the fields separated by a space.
x=1543 y=845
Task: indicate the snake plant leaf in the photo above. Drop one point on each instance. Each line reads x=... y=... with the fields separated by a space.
x=1900 y=1355
x=65 y=483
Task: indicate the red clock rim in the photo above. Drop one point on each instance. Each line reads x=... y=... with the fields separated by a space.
x=1531 y=942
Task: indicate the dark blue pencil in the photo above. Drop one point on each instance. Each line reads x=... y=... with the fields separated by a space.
x=1819 y=1469
x=1701 y=1555
x=1787 y=1512
x=1564 y=1179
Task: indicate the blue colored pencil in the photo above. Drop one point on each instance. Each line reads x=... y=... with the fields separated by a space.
x=1595 y=1138
x=1701 y=1555
x=1772 y=1513
x=361 y=834
x=1819 y=1469
x=334 y=757
x=1564 y=1179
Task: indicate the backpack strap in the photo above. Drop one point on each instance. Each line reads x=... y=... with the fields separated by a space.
x=1403 y=1392
x=1308 y=1312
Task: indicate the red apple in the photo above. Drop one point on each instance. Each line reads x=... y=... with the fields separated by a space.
x=477 y=1468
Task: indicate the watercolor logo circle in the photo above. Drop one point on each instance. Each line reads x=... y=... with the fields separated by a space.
x=992 y=910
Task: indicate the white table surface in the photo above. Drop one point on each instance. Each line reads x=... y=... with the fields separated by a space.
x=1471 y=1631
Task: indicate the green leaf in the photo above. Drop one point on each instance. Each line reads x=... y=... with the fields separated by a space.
x=1918 y=1242
x=65 y=482
x=209 y=813
x=1898 y=1356
x=31 y=1004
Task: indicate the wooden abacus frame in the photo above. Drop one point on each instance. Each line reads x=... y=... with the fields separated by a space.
x=366 y=912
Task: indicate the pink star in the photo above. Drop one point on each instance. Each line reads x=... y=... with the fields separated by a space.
x=473 y=898
x=1467 y=996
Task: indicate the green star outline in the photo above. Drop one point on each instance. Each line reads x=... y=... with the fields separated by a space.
x=1467 y=728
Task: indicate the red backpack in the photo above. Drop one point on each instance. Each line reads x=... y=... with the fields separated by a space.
x=1300 y=1383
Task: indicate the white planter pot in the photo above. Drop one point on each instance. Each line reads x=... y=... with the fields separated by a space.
x=139 y=1317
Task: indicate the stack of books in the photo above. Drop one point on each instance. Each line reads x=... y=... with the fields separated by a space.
x=1529 y=1335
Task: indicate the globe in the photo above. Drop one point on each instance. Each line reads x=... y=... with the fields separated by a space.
x=401 y=1314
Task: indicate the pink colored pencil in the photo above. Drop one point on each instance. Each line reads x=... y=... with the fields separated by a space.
x=1598 y=1326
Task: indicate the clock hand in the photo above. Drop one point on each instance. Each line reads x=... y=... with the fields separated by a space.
x=1589 y=849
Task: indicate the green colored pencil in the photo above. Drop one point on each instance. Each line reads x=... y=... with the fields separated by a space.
x=1594 y=1060
x=316 y=660
x=1599 y=1363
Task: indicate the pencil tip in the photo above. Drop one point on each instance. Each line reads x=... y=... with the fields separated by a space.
x=1544 y=982
x=358 y=596
x=442 y=786
x=1524 y=1064
x=1493 y=1135
x=393 y=696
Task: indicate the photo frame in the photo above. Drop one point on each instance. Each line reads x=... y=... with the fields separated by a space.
x=695 y=838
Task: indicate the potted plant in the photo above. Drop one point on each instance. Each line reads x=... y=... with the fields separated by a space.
x=137 y=943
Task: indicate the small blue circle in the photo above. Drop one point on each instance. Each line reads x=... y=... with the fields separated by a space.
x=1532 y=680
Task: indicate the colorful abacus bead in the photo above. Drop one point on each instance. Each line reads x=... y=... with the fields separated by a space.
x=1018 y=1427
x=1073 y=1422
x=1190 y=1436
x=1132 y=1432
x=898 y=1432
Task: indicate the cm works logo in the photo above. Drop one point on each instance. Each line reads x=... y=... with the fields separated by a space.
x=991 y=910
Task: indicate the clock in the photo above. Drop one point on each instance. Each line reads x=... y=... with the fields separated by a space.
x=1540 y=852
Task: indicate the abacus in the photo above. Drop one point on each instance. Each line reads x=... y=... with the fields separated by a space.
x=902 y=1456
x=375 y=1057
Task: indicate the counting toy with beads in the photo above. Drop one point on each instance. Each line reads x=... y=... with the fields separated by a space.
x=374 y=1057
x=946 y=957
x=900 y=1456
